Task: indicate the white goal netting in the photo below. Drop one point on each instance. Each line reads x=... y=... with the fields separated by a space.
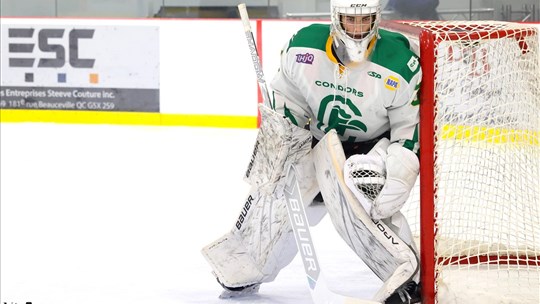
x=485 y=160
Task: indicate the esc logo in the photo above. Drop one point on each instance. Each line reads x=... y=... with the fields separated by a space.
x=67 y=51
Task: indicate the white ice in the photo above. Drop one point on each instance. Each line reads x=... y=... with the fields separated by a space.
x=118 y=214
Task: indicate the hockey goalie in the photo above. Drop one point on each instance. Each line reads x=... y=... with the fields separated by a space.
x=345 y=113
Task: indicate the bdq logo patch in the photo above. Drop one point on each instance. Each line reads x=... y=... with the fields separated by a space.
x=305 y=58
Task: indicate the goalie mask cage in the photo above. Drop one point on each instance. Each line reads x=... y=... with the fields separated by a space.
x=476 y=207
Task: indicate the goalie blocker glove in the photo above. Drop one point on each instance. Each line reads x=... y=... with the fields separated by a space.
x=402 y=167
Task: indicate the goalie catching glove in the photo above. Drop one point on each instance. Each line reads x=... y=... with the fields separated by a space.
x=382 y=179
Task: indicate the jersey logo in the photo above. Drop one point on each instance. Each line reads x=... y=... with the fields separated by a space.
x=391 y=83
x=413 y=63
x=305 y=58
x=341 y=114
x=347 y=90
x=374 y=74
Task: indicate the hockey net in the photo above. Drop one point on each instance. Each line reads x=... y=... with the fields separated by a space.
x=476 y=207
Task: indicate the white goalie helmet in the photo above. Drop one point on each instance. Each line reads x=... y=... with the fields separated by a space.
x=355 y=26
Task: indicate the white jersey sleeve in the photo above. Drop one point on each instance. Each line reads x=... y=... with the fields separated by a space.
x=286 y=96
x=404 y=117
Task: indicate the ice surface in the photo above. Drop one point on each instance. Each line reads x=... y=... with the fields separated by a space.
x=118 y=214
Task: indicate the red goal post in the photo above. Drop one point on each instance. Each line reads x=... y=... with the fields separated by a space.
x=477 y=201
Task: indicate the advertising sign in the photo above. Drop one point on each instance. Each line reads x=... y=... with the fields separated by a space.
x=81 y=67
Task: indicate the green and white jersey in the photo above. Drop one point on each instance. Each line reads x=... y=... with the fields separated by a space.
x=360 y=103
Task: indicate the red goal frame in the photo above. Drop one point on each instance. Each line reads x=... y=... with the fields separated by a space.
x=428 y=40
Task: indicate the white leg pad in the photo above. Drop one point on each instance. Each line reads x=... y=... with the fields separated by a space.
x=391 y=258
x=239 y=268
x=261 y=242
x=278 y=143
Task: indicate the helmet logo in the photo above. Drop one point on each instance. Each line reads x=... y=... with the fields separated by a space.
x=359 y=5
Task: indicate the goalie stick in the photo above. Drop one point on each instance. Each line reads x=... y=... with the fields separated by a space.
x=320 y=293
x=242 y=10
x=261 y=81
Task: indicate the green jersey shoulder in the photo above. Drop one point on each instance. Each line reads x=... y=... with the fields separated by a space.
x=313 y=36
x=393 y=52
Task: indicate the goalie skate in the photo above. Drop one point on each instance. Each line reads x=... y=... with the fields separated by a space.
x=408 y=293
x=238 y=292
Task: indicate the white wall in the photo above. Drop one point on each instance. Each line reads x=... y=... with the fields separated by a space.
x=122 y=8
x=147 y=8
x=205 y=66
